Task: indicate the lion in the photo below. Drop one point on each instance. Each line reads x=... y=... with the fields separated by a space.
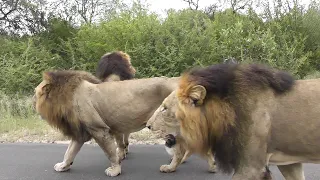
x=164 y=122
x=82 y=107
x=116 y=66
x=167 y=123
x=250 y=116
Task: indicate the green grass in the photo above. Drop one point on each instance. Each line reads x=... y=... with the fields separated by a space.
x=313 y=75
x=18 y=122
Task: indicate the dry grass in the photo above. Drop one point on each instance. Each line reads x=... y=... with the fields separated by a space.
x=19 y=123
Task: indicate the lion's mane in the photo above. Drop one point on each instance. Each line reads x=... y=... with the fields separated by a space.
x=220 y=121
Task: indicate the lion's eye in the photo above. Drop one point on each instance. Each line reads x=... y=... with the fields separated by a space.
x=163 y=109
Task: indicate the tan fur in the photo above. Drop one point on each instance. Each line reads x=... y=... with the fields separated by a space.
x=81 y=107
x=164 y=122
x=116 y=66
x=252 y=123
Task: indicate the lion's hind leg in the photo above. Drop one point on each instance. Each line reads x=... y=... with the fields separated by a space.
x=126 y=142
x=292 y=171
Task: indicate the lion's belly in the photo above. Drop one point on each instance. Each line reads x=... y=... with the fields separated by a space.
x=280 y=158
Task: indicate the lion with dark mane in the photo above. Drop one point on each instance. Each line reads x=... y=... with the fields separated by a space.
x=250 y=116
x=115 y=66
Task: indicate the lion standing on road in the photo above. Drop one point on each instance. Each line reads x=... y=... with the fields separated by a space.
x=250 y=116
x=82 y=107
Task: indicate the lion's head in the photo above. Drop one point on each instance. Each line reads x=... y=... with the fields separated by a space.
x=115 y=66
x=53 y=99
x=163 y=120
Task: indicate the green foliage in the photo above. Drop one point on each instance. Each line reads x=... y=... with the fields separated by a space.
x=167 y=47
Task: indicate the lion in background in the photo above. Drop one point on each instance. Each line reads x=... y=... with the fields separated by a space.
x=115 y=66
x=250 y=116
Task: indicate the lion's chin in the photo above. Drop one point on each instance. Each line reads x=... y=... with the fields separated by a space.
x=159 y=134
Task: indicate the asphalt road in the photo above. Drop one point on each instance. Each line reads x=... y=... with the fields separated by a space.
x=36 y=161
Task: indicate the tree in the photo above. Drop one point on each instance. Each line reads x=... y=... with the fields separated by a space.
x=236 y=5
x=22 y=16
x=193 y=4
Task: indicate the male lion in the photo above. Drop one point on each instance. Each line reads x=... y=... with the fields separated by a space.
x=82 y=107
x=164 y=122
x=250 y=116
x=115 y=66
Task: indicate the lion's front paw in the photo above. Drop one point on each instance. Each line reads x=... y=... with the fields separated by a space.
x=167 y=169
x=60 y=167
x=213 y=168
x=113 y=170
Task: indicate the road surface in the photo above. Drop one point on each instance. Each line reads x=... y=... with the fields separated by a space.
x=36 y=161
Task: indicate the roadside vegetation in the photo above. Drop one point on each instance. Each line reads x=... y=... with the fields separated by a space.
x=36 y=36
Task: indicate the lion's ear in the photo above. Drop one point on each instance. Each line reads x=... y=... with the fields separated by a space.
x=197 y=94
x=48 y=76
x=46 y=88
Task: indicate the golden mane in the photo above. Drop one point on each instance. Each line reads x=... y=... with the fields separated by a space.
x=56 y=105
x=213 y=107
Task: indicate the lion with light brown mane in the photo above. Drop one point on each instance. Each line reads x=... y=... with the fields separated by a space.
x=250 y=116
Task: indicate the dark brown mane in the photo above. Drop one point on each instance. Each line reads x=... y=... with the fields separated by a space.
x=117 y=63
x=220 y=79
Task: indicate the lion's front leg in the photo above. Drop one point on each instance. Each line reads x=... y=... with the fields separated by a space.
x=211 y=162
x=292 y=171
x=186 y=156
x=107 y=143
x=249 y=173
x=73 y=149
x=178 y=155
